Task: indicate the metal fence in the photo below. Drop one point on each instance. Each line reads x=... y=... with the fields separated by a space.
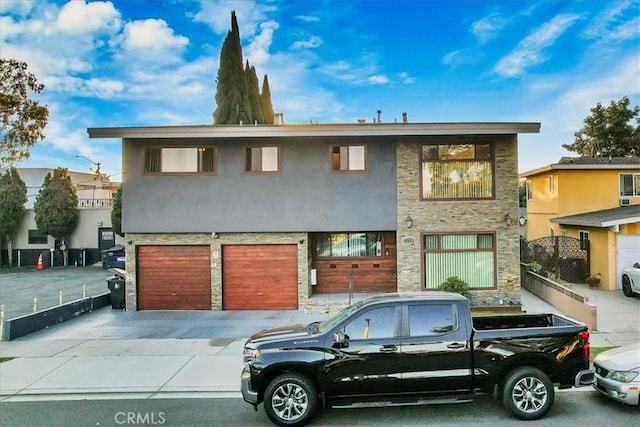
x=560 y=257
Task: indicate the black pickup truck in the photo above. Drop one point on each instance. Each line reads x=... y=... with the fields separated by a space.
x=396 y=349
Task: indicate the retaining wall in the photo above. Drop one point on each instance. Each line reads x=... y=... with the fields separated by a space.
x=564 y=299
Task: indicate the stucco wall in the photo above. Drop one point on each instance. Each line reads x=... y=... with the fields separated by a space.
x=304 y=196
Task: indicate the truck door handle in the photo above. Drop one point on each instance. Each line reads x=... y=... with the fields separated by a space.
x=455 y=345
x=388 y=348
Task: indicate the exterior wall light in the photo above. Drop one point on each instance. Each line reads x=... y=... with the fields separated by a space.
x=508 y=220
x=523 y=220
x=409 y=221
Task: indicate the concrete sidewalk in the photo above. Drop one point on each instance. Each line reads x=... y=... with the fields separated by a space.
x=147 y=354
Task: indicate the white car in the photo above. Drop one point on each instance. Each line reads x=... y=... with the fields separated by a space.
x=618 y=373
x=631 y=280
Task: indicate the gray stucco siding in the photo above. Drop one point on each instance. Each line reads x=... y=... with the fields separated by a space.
x=304 y=196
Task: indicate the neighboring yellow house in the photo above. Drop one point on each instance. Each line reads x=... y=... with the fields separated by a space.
x=595 y=200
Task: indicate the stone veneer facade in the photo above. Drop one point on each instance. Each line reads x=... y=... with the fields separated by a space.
x=216 y=243
x=452 y=216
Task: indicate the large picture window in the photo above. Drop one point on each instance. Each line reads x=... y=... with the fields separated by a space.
x=630 y=184
x=348 y=244
x=180 y=160
x=470 y=257
x=457 y=171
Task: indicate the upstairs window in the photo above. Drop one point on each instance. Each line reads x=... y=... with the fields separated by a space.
x=262 y=159
x=348 y=158
x=529 y=191
x=457 y=171
x=630 y=184
x=180 y=160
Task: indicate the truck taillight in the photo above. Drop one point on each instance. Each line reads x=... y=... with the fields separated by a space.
x=584 y=336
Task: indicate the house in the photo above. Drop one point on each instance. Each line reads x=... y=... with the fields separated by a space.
x=93 y=233
x=594 y=201
x=230 y=217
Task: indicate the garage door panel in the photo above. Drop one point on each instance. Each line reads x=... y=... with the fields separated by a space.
x=260 y=277
x=174 y=278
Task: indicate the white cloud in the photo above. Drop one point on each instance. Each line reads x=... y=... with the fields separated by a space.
x=529 y=51
x=406 y=78
x=258 y=50
x=78 y=17
x=308 y=18
x=611 y=22
x=151 y=34
x=16 y=7
x=378 y=79
x=311 y=43
x=217 y=14
x=488 y=27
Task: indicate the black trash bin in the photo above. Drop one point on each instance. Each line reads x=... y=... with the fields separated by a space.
x=116 y=286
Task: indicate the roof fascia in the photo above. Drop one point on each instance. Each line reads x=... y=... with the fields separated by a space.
x=557 y=166
x=383 y=129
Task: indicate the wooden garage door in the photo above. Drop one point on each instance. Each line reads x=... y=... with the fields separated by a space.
x=260 y=277
x=174 y=278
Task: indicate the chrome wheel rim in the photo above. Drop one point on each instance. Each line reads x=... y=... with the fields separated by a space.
x=529 y=395
x=290 y=402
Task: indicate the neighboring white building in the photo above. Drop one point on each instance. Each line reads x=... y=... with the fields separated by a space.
x=93 y=233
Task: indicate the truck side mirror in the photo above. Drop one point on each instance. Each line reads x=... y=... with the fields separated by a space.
x=339 y=338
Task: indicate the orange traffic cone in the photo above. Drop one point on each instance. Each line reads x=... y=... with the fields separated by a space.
x=40 y=265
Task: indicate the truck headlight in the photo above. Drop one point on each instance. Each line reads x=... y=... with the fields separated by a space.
x=251 y=353
x=622 y=376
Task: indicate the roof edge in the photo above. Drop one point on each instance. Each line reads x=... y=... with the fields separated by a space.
x=346 y=129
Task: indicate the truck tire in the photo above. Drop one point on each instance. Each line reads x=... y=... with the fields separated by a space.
x=290 y=400
x=528 y=393
x=626 y=286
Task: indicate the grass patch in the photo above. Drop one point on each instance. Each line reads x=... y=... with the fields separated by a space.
x=5 y=359
x=597 y=350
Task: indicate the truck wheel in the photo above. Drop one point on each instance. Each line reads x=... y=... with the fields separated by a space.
x=290 y=400
x=528 y=393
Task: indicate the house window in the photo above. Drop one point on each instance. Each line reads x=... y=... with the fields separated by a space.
x=630 y=184
x=551 y=184
x=457 y=171
x=471 y=257
x=529 y=191
x=261 y=159
x=348 y=244
x=348 y=158
x=584 y=240
x=37 y=238
x=180 y=160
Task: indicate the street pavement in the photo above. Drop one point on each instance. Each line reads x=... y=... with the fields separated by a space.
x=114 y=354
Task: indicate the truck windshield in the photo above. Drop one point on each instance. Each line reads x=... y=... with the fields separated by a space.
x=331 y=322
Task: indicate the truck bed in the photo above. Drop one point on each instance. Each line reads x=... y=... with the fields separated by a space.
x=520 y=321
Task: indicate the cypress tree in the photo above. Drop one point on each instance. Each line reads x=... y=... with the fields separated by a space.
x=232 y=92
x=254 y=94
x=265 y=97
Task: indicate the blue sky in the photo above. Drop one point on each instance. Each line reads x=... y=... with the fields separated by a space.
x=146 y=63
